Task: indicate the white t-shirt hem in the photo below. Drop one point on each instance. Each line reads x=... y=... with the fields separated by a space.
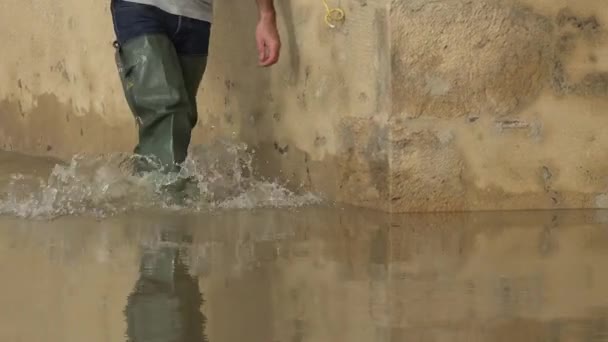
x=208 y=17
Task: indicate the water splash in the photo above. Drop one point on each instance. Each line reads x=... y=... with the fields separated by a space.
x=220 y=176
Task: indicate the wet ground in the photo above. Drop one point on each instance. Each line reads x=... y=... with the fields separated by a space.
x=304 y=272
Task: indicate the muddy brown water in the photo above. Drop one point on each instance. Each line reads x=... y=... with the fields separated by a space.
x=307 y=273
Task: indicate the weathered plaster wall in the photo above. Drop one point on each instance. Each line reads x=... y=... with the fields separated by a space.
x=410 y=105
x=58 y=92
x=499 y=104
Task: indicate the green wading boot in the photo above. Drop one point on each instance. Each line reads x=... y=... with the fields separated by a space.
x=155 y=90
x=160 y=88
x=193 y=68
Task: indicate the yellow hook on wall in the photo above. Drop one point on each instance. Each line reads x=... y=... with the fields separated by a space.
x=333 y=15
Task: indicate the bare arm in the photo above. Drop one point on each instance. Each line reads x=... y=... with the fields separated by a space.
x=266 y=9
x=267 y=35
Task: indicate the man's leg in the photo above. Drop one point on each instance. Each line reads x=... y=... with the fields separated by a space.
x=191 y=41
x=193 y=68
x=192 y=45
x=153 y=83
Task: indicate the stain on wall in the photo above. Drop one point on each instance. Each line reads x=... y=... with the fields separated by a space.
x=576 y=33
x=457 y=58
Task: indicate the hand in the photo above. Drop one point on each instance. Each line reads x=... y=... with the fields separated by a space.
x=268 y=41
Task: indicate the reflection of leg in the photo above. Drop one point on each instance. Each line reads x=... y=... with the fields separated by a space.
x=154 y=86
x=166 y=302
x=190 y=299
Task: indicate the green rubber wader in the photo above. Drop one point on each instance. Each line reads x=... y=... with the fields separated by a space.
x=160 y=88
x=165 y=304
x=193 y=69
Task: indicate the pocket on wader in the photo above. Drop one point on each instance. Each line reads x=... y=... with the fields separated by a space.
x=125 y=71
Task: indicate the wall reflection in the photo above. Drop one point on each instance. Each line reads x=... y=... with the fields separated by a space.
x=311 y=275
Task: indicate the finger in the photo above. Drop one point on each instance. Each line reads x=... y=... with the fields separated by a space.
x=274 y=51
x=266 y=61
x=272 y=54
x=261 y=48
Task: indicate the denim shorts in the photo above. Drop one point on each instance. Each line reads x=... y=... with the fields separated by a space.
x=189 y=36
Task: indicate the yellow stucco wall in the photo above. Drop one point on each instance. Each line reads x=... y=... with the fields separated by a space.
x=418 y=105
x=499 y=104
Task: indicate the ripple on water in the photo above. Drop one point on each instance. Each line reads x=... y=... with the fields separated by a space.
x=103 y=185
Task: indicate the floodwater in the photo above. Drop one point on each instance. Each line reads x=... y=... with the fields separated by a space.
x=276 y=266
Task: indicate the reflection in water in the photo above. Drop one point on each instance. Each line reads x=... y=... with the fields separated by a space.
x=308 y=275
x=165 y=305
